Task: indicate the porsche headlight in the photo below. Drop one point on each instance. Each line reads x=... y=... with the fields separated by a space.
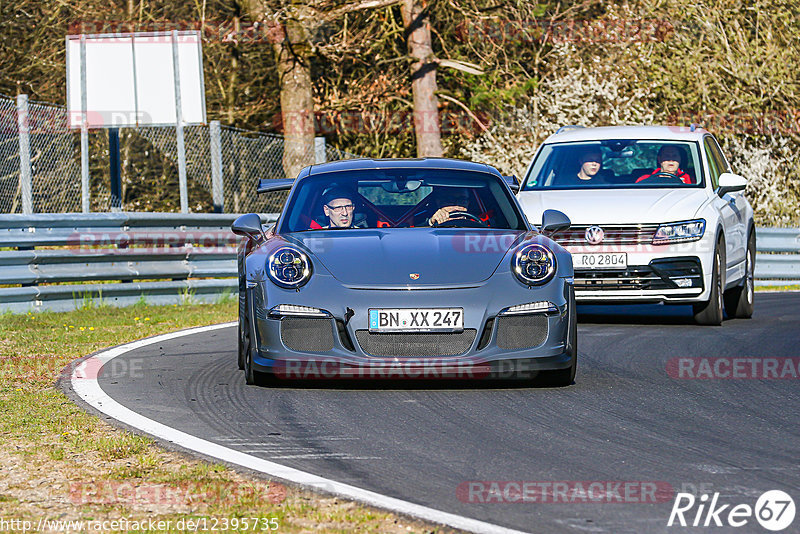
x=288 y=267
x=679 y=232
x=534 y=264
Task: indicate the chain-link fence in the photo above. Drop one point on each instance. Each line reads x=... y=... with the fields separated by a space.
x=9 y=157
x=148 y=165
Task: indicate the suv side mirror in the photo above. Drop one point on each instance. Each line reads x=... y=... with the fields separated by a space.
x=513 y=183
x=730 y=183
x=248 y=225
x=554 y=221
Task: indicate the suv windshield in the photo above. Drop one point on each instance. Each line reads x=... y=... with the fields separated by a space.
x=401 y=198
x=615 y=163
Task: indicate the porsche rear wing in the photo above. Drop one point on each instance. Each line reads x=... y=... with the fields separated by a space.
x=269 y=185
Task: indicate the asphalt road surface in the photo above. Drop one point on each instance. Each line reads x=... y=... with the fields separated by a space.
x=629 y=418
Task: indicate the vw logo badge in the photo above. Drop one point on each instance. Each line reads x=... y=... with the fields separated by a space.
x=594 y=235
x=414 y=276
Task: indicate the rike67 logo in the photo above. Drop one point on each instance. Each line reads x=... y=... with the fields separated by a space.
x=774 y=510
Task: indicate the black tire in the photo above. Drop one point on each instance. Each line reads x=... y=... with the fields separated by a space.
x=242 y=343
x=565 y=377
x=739 y=300
x=249 y=372
x=251 y=376
x=711 y=311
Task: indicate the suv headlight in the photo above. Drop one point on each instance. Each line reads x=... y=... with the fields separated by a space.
x=679 y=232
x=289 y=268
x=534 y=264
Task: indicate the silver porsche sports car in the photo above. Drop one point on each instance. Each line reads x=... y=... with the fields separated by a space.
x=419 y=269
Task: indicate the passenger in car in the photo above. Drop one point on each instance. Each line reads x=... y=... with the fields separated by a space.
x=591 y=162
x=669 y=163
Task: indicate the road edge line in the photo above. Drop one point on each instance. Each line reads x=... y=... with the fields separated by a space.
x=87 y=388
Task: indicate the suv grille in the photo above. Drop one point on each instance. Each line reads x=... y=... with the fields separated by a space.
x=416 y=344
x=613 y=235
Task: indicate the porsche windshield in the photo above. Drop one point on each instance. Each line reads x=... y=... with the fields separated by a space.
x=616 y=163
x=401 y=198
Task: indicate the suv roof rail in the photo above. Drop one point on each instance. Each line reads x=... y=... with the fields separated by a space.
x=568 y=127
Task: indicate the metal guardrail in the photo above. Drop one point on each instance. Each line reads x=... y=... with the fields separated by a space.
x=65 y=261
x=778 y=258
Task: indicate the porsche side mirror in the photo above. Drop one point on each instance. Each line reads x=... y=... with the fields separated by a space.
x=554 y=221
x=248 y=225
x=730 y=183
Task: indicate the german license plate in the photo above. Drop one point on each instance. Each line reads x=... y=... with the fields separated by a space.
x=416 y=320
x=600 y=260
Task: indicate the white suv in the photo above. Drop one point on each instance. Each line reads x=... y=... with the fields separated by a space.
x=657 y=216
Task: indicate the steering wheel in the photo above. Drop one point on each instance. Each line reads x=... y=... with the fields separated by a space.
x=460 y=215
x=664 y=177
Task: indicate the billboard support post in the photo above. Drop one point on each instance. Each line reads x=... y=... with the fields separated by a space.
x=84 y=133
x=23 y=127
x=217 y=187
x=179 y=126
x=114 y=169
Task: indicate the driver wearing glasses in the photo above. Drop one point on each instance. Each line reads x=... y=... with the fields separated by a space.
x=337 y=204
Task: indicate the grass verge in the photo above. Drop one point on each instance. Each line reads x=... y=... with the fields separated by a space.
x=795 y=287
x=58 y=463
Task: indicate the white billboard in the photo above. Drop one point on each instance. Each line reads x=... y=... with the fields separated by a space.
x=130 y=79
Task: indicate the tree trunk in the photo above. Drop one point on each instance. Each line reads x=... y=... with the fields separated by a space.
x=423 y=78
x=292 y=52
x=297 y=106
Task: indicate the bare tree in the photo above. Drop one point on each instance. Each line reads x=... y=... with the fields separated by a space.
x=295 y=25
x=423 y=78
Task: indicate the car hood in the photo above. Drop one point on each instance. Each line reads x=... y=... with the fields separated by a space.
x=392 y=257
x=615 y=206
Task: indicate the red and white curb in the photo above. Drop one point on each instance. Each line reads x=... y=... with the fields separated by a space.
x=85 y=385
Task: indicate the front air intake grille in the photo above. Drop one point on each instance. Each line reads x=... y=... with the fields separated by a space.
x=416 y=344
x=521 y=331
x=634 y=277
x=656 y=276
x=305 y=334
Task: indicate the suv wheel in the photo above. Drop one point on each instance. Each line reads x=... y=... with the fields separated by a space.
x=710 y=312
x=739 y=300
